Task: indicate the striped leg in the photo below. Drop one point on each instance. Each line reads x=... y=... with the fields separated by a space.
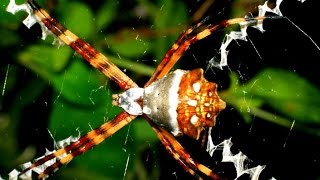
x=90 y=54
x=84 y=144
x=191 y=36
x=180 y=154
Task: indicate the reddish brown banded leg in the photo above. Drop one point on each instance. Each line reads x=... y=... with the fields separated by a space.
x=180 y=154
x=90 y=54
x=165 y=64
x=84 y=144
x=186 y=39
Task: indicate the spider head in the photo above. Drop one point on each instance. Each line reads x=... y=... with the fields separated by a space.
x=198 y=103
x=129 y=100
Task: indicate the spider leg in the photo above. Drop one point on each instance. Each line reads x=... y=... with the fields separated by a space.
x=191 y=36
x=90 y=54
x=180 y=154
x=166 y=59
x=85 y=143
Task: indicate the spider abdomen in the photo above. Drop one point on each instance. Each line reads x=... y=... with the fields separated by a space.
x=199 y=103
x=183 y=102
x=160 y=101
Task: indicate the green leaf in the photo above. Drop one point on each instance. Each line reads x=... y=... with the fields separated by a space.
x=67 y=117
x=172 y=14
x=147 y=135
x=286 y=92
x=106 y=14
x=78 y=84
x=11 y=37
x=77 y=17
x=129 y=45
x=45 y=59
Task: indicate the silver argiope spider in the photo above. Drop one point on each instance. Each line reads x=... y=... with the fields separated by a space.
x=188 y=105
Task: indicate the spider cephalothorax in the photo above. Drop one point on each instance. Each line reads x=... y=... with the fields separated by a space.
x=183 y=102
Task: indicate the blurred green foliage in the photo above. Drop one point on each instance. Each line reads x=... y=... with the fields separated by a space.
x=275 y=88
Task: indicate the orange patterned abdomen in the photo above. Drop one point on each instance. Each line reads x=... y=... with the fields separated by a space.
x=198 y=103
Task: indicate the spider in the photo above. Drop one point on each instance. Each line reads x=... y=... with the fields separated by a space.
x=174 y=103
